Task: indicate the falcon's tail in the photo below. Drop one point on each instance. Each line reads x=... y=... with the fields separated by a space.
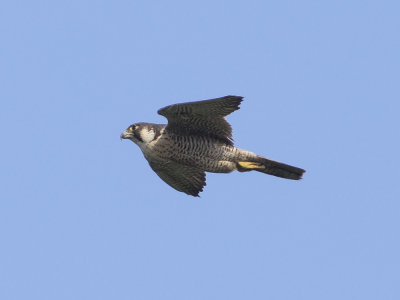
x=270 y=167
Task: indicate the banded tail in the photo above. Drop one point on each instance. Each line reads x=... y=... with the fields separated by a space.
x=270 y=167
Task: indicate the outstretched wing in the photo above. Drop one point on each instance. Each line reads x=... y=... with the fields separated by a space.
x=187 y=179
x=205 y=117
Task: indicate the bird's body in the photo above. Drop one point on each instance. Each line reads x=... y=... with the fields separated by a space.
x=196 y=140
x=207 y=153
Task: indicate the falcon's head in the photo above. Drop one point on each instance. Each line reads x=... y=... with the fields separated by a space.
x=141 y=133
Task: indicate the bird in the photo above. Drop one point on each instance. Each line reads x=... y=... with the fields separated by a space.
x=198 y=139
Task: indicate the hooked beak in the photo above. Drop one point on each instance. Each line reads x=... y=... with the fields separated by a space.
x=125 y=135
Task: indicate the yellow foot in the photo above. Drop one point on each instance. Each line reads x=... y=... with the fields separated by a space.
x=248 y=165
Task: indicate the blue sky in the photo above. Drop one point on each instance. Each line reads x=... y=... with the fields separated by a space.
x=82 y=215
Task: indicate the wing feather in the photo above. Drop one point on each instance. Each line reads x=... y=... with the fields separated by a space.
x=187 y=179
x=205 y=117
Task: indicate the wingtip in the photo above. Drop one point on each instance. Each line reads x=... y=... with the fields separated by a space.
x=234 y=101
x=240 y=98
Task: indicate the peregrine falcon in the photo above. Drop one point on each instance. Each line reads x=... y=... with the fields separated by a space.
x=198 y=139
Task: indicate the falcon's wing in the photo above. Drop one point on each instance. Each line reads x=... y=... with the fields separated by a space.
x=202 y=117
x=189 y=180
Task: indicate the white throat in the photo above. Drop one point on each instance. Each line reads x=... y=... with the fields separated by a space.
x=147 y=135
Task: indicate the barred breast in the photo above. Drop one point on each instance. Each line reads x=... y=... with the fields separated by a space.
x=206 y=153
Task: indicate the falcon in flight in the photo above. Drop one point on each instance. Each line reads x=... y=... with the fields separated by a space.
x=198 y=139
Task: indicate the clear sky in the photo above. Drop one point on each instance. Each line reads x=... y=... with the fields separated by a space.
x=82 y=215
